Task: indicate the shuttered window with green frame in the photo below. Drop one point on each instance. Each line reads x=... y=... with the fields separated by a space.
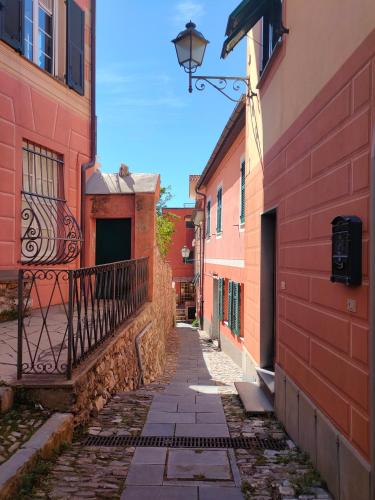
x=221 y=298
x=230 y=293
x=242 y=200
x=208 y=220
x=234 y=307
x=219 y=209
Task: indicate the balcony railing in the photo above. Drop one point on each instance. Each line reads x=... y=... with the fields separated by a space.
x=73 y=312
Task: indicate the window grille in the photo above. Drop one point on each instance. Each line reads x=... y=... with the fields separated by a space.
x=49 y=232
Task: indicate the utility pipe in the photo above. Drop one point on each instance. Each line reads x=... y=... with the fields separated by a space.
x=138 y=339
x=93 y=130
x=202 y=236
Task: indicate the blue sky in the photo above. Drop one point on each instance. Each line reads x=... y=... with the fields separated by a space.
x=146 y=117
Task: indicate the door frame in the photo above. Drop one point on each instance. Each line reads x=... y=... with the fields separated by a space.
x=268 y=288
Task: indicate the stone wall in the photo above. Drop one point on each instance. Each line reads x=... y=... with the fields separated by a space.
x=114 y=366
x=9 y=295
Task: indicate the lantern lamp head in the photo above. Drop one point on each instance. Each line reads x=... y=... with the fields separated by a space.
x=190 y=47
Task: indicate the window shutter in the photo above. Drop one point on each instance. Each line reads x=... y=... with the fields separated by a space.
x=11 y=14
x=75 y=76
x=242 y=214
x=208 y=221
x=221 y=299
x=230 y=293
x=238 y=309
x=218 y=212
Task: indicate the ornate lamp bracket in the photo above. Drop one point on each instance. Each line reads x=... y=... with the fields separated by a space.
x=232 y=87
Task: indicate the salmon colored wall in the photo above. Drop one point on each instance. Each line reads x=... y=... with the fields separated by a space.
x=182 y=236
x=230 y=244
x=140 y=208
x=37 y=107
x=316 y=170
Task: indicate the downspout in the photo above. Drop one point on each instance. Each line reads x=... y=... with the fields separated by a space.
x=93 y=130
x=138 y=339
x=372 y=316
x=202 y=257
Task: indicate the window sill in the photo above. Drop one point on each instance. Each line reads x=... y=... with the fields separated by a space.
x=219 y=235
x=270 y=64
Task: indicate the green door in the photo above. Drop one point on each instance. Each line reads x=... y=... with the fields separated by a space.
x=113 y=240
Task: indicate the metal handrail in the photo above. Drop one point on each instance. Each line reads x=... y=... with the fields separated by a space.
x=84 y=307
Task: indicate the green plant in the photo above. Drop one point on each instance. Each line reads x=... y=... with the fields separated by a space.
x=195 y=323
x=303 y=484
x=165 y=222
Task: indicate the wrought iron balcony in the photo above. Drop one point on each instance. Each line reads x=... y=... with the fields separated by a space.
x=50 y=233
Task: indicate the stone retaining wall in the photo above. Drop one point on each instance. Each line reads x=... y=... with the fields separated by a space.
x=114 y=366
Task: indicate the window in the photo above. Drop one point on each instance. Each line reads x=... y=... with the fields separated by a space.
x=49 y=232
x=38 y=43
x=272 y=30
x=234 y=307
x=242 y=196
x=208 y=219
x=219 y=210
x=48 y=32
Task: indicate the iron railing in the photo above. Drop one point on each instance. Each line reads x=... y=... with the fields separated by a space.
x=73 y=312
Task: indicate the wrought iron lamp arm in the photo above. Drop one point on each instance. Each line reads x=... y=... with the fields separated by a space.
x=222 y=85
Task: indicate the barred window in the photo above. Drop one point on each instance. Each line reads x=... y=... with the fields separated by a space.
x=49 y=232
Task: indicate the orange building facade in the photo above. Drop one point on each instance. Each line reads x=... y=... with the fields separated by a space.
x=45 y=129
x=310 y=159
x=223 y=237
x=182 y=268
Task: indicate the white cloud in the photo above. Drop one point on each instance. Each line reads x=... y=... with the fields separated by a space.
x=188 y=10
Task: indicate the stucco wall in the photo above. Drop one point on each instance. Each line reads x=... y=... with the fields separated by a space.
x=182 y=236
x=317 y=168
x=37 y=107
x=224 y=253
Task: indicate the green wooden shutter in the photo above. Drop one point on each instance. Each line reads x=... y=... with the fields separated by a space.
x=218 y=210
x=11 y=14
x=242 y=208
x=237 y=306
x=230 y=294
x=208 y=220
x=221 y=299
x=75 y=53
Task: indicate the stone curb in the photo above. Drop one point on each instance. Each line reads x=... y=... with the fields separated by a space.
x=55 y=431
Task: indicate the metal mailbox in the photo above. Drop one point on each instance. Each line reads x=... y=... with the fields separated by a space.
x=347 y=250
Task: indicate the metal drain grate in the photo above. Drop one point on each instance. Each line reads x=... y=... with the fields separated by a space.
x=253 y=443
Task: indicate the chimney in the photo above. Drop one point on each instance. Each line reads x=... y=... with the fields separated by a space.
x=124 y=170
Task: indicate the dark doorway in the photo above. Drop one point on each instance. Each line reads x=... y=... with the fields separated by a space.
x=268 y=291
x=113 y=240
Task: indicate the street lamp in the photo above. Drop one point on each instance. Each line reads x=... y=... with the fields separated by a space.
x=185 y=252
x=190 y=47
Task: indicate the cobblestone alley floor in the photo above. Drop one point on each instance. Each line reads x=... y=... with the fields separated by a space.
x=198 y=400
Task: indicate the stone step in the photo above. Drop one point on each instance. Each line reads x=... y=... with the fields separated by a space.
x=253 y=398
x=267 y=382
x=6 y=399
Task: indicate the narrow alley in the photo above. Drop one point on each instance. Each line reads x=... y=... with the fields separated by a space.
x=195 y=398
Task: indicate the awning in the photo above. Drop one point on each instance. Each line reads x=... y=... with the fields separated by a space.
x=241 y=21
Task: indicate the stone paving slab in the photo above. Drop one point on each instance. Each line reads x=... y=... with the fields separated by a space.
x=160 y=417
x=157 y=493
x=198 y=464
x=148 y=455
x=158 y=430
x=202 y=430
x=150 y=474
x=211 y=418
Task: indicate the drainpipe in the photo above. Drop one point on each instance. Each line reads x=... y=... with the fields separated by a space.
x=202 y=256
x=372 y=316
x=93 y=132
x=138 y=339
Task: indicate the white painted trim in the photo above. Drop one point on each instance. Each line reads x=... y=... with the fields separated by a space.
x=226 y=262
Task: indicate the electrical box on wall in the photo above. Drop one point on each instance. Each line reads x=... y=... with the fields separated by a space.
x=347 y=250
